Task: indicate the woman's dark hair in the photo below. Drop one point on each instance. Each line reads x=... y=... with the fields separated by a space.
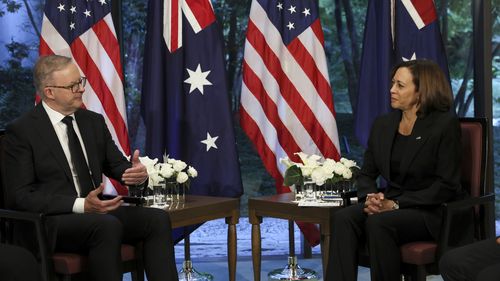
x=431 y=83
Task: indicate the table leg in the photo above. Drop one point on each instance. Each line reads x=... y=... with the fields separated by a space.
x=325 y=248
x=256 y=251
x=231 y=251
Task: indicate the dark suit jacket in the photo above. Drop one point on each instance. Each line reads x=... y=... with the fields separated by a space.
x=430 y=167
x=38 y=177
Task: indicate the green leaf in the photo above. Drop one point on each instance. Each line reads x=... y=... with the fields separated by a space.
x=293 y=175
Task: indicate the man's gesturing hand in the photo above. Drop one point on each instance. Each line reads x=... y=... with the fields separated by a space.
x=137 y=174
x=95 y=205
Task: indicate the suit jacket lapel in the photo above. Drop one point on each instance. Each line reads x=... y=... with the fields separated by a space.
x=418 y=137
x=49 y=138
x=387 y=136
x=85 y=127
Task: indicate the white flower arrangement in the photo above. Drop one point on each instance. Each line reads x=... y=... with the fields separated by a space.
x=327 y=171
x=171 y=170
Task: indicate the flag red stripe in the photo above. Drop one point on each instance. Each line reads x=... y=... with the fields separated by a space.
x=174 y=24
x=202 y=11
x=306 y=61
x=255 y=86
x=316 y=28
x=266 y=154
x=109 y=43
x=93 y=74
x=426 y=10
x=290 y=93
x=44 y=49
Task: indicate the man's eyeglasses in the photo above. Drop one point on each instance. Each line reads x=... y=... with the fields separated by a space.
x=75 y=87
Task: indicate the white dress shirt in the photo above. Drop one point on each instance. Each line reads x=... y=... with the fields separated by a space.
x=61 y=132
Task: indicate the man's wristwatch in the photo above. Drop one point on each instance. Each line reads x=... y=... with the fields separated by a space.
x=396 y=205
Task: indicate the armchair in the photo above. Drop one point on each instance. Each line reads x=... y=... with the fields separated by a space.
x=57 y=265
x=421 y=258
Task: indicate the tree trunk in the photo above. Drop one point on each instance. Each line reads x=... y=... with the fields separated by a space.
x=443 y=15
x=461 y=105
x=32 y=19
x=346 y=56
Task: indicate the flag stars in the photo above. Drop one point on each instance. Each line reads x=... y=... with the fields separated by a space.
x=61 y=7
x=306 y=12
x=87 y=13
x=73 y=9
x=210 y=141
x=197 y=79
x=292 y=9
x=279 y=6
x=413 y=57
x=103 y=2
x=290 y=25
x=72 y=25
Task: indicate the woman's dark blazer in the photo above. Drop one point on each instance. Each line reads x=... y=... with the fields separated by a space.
x=430 y=167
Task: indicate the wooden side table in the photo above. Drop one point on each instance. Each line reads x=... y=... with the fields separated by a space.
x=281 y=206
x=199 y=209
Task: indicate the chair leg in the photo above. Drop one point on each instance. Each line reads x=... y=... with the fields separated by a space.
x=419 y=273
x=137 y=275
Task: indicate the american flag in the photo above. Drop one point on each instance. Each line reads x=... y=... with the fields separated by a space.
x=395 y=30
x=84 y=30
x=286 y=98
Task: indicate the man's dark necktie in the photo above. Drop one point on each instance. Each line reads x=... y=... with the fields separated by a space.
x=78 y=158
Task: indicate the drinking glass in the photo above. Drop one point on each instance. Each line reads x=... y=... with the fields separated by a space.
x=159 y=195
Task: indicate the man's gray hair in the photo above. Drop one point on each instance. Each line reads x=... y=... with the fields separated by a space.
x=44 y=68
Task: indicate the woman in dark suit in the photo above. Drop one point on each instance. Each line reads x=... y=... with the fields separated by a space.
x=416 y=149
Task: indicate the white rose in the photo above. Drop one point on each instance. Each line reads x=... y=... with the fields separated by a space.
x=338 y=168
x=171 y=160
x=182 y=177
x=328 y=166
x=348 y=163
x=167 y=171
x=306 y=170
x=347 y=174
x=192 y=172
x=319 y=176
x=154 y=179
x=179 y=165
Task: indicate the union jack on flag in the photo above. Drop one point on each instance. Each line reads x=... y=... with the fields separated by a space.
x=286 y=98
x=84 y=31
x=199 y=15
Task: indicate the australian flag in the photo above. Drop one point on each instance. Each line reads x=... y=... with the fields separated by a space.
x=185 y=103
x=395 y=30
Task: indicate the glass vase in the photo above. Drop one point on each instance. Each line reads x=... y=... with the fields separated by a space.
x=310 y=191
x=159 y=195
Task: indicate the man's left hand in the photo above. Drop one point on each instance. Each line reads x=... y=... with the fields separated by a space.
x=137 y=174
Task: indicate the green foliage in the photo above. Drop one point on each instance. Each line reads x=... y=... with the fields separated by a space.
x=16 y=89
x=293 y=175
x=10 y=6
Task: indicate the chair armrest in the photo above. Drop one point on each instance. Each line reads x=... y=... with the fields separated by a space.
x=469 y=202
x=451 y=208
x=38 y=219
x=18 y=215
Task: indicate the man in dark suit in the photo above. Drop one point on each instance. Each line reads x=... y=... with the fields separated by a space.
x=479 y=261
x=55 y=156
